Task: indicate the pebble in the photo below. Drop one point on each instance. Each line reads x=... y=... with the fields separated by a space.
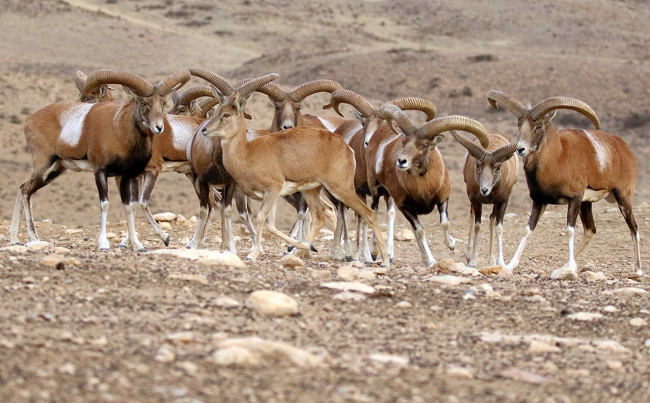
x=71 y=231
x=165 y=354
x=101 y=341
x=613 y=346
x=165 y=226
x=626 y=290
x=256 y=352
x=321 y=274
x=272 y=303
x=214 y=257
x=389 y=359
x=189 y=367
x=195 y=278
x=67 y=369
x=578 y=373
x=111 y=235
x=594 y=276
x=585 y=316
x=180 y=338
x=349 y=296
x=15 y=249
x=404 y=235
x=610 y=309
x=164 y=217
x=35 y=246
x=537 y=298
x=52 y=260
x=60 y=249
x=349 y=286
x=351 y=273
x=638 y=322
x=614 y=364
x=403 y=304
x=181 y=219
x=291 y=262
x=524 y=376
x=29 y=280
x=447 y=279
x=460 y=372
x=492 y=270
x=226 y=302
x=542 y=347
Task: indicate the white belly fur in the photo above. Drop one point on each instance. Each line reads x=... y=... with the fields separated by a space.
x=77 y=165
x=182 y=167
x=292 y=187
x=595 y=195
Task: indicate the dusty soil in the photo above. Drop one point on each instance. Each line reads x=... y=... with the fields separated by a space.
x=92 y=332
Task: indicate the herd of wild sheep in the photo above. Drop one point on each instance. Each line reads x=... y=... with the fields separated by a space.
x=379 y=153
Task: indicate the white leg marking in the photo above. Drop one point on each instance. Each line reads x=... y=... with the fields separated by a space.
x=472 y=259
x=520 y=249
x=102 y=240
x=568 y=271
x=19 y=206
x=450 y=242
x=500 y=261
x=391 y=229
x=130 y=210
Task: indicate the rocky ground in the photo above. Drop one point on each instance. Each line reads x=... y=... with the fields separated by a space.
x=77 y=325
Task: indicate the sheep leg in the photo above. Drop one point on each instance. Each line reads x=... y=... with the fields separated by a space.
x=244 y=210
x=227 y=237
x=472 y=258
x=39 y=178
x=203 y=190
x=19 y=208
x=468 y=247
x=420 y=236
x=625 y=207
x=499 y=211
x=129 y=194
x=102 y=188
x=317 y=211
x=589 y=226
x=330 y=212
x=374 y=205
x=390 y=238
x=450 y=242
x=569 y=270
x=346 y=236
x=535 y=215
x=149 y=179
x=336 y=252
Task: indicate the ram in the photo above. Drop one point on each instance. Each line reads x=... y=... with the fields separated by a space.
x=301 y=159
x=107 y=138
x=489 y=174
x=100 y=94
x=573 y=167
x=410 y=167
x=356 y=132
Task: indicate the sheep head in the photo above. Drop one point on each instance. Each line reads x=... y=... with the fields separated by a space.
x=102 y=94
x=535 y=121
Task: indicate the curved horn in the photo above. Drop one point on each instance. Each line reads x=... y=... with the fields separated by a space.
x=474 y=149
x=312 y=87
x=80 y=79
x=439 y=125
x=503 y=153
x=250 y=87
x=205 y=105
x=416 y=104
x=173 y=82
x=222 y=85
x=392 y=112
x=106 y=76
x=272 y=90
x=193 y=93
x=553 y=103
x=348 y=97
x=515 y=107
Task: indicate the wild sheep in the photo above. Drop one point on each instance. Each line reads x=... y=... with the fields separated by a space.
x=100 y=94
x=411 y=168
x=574 y=167
x=107 y=138
x=301 y=159
x=489 y=175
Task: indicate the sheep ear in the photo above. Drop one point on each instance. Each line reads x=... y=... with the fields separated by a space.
x=437 y=139
x=356 y=115
x=240 y=102
x=193 y=106
x=247 y=116
x=129 y=91
x=549 y=116
x=103 y=90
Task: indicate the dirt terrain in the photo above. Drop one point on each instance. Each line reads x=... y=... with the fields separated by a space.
x=104 y=326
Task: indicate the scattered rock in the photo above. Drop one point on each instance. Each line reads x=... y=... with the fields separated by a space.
x=165 y=226
x=101 y=341
x=165 y=354
x=226 y=302
x=62 y=250
x=443 y=265
x=180 y=338
x=349 y=296
x=36 y=246
x=542 y=347
x=389 y=359
x=578 y=373
x=15 y=249
x=404 y=305
x=291 y=262
x=218 y=258
x=29 y=280
x=586 y=316
x=460 y=372
x=448 y=280
x=72 y=231
x=404 y=235
x=321 y=274
x=626 y=290
x=194 y=278
x=164 y=217
x=594 y=276
x=272 y=303
x=351 y=273
x=256 y=352
x=111 y=235
x=638 y=322
x=492 y=270
x=52 y=260
x=612 y=345
x=610 y=309
x=614 y=364
x=67 y=369
x=524 y=376
x=349 y=286
x=189 y=367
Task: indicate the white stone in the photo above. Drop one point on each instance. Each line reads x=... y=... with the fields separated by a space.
x=195 y=278
x=542 y=347
x=389 y=359
x=612 y=345
x=594 y=276
x=164 y=217
x=256 y=352
x=272 y=303
x=35 y=246
x=404 y=235
x=165 y=226
x=610 y=309
x=111 y=235
x=448 y=280
x=217 y=258
x=585 y=316
x=291 y=262
x=67 y=369
x=72 y=231
x=15 y=249
x=403 y=304
x=349 y=296
x=459 y=372
x=180 y=338
x=349 y=286
x=165 y=354
x=52 y=260
x=638 y=322
x=626 y=290
x=226 y=302
x=614 y=364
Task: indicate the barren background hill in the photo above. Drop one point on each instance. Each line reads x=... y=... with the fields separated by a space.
x=99 y=331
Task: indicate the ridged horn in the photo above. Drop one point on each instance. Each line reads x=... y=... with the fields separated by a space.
x=107 y=76
x=173 y=82
x=553 y=103
x=510 y=103
x=272 y=90
x=222 y=85
x=415 y=104
x=474 y=149
x=439 y=125
x=205 y=105
x=250 y=87
x=393 y=112
x=312 y=87
x=193 y=93
x=80 y=79
x=503 y=153
x=348 y=97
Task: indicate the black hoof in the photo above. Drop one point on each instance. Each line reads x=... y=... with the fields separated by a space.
x=391 y=260
x=122 y=246
x=143 y=250
x=374 y=257
x=312 y=248
x=290 y=248
x=166 y=241
x=348 y=258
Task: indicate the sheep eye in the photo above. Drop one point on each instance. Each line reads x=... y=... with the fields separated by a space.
x=225 y=115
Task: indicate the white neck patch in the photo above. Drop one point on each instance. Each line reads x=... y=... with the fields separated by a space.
x=602 y=153
x=182 y=132
x=72 y=123
x=380 y=153
x=328 y=125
